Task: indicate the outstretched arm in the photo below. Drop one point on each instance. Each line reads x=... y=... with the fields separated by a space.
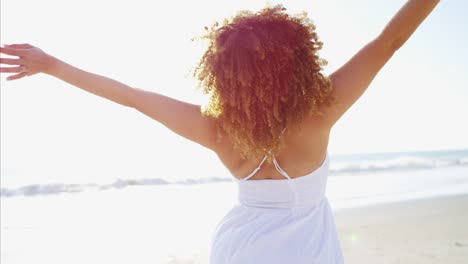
x=183 y=118
x=352 y=79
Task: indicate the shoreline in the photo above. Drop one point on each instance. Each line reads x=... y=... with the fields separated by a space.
x=427 y=230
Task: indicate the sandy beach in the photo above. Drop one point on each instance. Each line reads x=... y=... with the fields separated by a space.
x=139 y=225
x=433 y=230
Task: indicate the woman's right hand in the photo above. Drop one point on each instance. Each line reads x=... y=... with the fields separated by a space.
x=30 y=60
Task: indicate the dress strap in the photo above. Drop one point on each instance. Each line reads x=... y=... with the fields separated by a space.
x=279 y=169
x=277 y=166
x=274 y=161
x=256 y=169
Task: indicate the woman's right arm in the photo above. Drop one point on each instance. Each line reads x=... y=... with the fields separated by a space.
x=182 y=118
x=352 y=79
x=32 y=60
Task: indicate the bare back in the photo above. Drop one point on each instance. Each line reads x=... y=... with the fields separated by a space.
x=303 y=151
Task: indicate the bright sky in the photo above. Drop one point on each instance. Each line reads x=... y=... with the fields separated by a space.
x=53 y=130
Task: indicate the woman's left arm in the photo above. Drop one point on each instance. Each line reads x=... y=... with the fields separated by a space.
x=183 y=118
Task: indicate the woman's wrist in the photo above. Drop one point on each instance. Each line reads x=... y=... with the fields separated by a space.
x=52 y=66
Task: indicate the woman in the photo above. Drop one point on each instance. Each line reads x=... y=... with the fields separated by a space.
x=268 y=120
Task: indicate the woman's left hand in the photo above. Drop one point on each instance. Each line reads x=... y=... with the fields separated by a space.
x=30 y=60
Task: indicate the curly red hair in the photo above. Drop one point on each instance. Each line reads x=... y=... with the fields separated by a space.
x=263 y=74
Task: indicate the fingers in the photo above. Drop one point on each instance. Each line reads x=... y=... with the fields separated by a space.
x=17 y=76
x=13 y=69
x=19 y=50
x=19 y=46
x=10 y=61
x=13 y=52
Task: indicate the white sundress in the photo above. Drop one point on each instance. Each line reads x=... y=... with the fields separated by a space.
x=279 y=222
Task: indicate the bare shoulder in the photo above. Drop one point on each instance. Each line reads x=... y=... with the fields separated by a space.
x=315 y=128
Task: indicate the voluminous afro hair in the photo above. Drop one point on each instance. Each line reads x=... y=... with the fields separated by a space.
x=263 y=74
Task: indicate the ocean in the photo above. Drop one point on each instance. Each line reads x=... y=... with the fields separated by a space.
x=342 y=166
